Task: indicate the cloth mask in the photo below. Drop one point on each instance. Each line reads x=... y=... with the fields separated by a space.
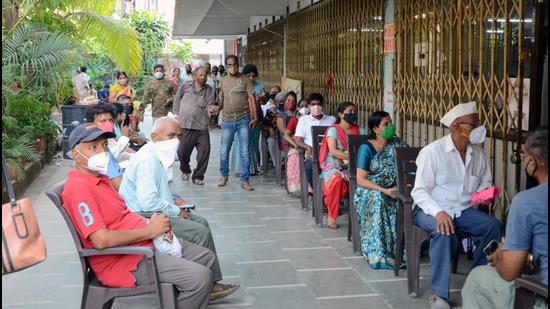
x=98 y=162
x=107 y=126
x=167 y=151
x=159 y=75
x=350 y=118
x=389 y=132
x=233 y=70
x=304 y=111
x=477 y=136
x=316 y=110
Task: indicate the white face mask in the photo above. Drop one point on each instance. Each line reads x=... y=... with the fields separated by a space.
x=477 y=136
x=304 y=111
x=167 y=151
x=159 y=75
x=98 y=162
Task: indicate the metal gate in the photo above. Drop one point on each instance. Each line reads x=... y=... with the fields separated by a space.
x=265 y=50
x=455 y=51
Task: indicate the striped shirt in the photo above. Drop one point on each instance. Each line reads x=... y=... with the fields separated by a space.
x=192 y=107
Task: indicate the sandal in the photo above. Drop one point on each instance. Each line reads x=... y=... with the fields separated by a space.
x=199 y=182
x=332 y=224
x=185 y=177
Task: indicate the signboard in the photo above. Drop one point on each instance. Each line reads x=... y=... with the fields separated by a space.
x=389 y=38
x=295 y=85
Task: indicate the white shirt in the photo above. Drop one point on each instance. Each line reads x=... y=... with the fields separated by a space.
x=303 y=128
x=446 y=183
x=211 y=81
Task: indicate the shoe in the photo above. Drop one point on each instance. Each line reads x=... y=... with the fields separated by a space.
x=247 y=186
x=437 y=302
x=224 y=290
x=222 y=181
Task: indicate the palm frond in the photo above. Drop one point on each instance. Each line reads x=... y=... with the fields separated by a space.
x=116 y=36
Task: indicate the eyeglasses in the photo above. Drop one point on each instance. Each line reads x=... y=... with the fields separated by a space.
x=473 y=124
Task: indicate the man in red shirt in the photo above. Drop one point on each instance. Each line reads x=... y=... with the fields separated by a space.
x=102 y=220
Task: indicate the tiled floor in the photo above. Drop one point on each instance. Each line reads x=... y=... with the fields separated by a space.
x=264 y=240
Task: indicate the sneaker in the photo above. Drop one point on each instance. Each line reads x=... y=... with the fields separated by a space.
x=222 y=181
x=247 y=186
x=437 y=302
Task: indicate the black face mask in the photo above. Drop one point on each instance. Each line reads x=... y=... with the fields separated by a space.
x=534 y=171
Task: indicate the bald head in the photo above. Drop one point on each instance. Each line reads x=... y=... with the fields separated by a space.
x=165 y=128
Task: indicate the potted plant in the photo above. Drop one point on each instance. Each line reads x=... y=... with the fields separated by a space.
x=14 y=150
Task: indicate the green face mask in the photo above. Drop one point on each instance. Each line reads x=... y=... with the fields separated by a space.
x=389 y=132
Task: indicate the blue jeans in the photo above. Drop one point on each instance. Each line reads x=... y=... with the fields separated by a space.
x=229 y=128
x=309 y=171
x=482 y=228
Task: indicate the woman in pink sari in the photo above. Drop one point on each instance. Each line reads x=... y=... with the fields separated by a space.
x=286 y=124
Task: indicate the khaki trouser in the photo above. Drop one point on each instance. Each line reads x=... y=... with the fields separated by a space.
x=191 y=274
x=197 y=231
x=484 y=288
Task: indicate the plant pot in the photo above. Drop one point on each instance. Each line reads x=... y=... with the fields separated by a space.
x=12 y=172
x=41 y=144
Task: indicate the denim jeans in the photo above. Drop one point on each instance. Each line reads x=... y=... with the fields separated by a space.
x=229 y=128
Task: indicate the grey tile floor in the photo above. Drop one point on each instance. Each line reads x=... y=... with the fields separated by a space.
x=264 y=240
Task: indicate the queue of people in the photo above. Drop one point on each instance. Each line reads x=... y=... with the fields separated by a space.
x=119 y=182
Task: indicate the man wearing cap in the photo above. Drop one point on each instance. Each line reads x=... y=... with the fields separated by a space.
x=102 y=220
x=449 y=171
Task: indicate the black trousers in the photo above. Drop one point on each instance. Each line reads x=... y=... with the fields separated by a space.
x=189 y=140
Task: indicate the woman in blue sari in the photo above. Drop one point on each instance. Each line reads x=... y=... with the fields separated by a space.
x=374 y=198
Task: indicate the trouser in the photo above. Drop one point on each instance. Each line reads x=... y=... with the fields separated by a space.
x=309 y=171
x=190 y=274
x=196 y=230
x=189 y=140
x=334 y=193
x=482 y=228
x=272 y=147
x=484 y=288
x=229 y=128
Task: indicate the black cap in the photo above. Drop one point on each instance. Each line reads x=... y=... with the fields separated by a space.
x=87 y=132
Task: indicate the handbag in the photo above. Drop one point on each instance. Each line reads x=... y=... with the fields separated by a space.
x=22 y=242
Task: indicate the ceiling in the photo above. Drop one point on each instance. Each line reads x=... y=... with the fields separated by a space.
x=221 y=18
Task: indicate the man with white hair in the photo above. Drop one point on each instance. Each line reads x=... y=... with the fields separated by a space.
x=145 y=189
x=194 y=104
x=450 y=170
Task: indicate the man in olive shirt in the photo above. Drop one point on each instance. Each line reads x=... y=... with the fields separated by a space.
x=194 y=103
x=239 y=115
x=159 y=93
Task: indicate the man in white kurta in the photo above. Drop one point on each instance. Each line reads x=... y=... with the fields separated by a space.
x=449 y=171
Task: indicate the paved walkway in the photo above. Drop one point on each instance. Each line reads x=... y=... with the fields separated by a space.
x=264 y=241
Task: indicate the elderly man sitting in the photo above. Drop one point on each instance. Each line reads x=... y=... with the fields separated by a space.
x=102 y=220
x=450 y=170
x=145 y=189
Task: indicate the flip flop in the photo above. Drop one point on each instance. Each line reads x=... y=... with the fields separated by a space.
x=198 y=182
x=332 y=224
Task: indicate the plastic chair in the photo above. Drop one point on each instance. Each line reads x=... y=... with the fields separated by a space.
x=317 y=133
x=97 y=296
x=527 y=288
x=354 y=141
x=304 y=198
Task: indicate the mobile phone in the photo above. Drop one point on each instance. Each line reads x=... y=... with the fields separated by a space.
x=490 y=248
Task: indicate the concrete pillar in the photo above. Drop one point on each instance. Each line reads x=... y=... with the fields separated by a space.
x=389 y=64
